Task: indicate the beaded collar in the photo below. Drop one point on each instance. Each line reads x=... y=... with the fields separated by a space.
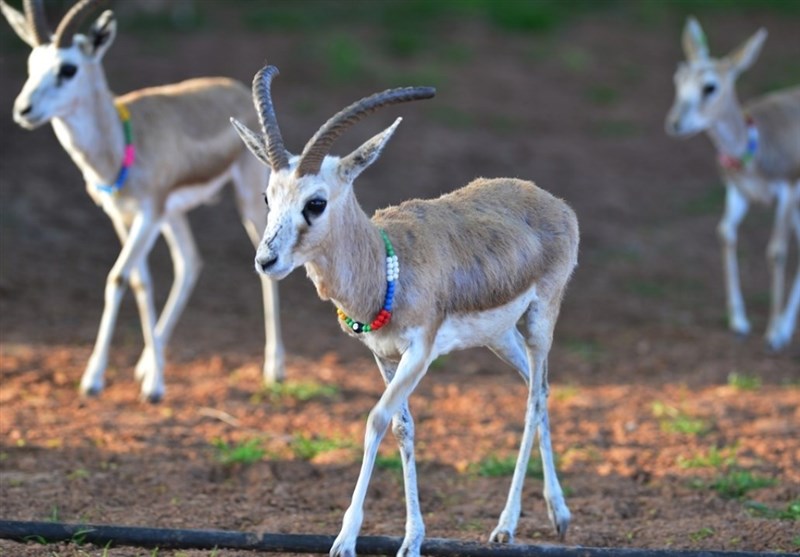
x=128 y=157
x=385 y=314
x=739 y=163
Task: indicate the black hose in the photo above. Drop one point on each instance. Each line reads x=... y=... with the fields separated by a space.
x=165 y=538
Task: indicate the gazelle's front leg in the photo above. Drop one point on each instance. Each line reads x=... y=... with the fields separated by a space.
x=412 y=367
x=736 y=206
x=254 y=221
x=403 y=430
x=136 y=246
x=186 y=262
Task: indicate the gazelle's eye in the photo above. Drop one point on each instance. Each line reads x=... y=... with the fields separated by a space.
x=66 y=71
x=266 y=201
x=709 y=89
x=314 y=208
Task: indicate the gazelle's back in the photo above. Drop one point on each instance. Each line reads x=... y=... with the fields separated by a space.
x=194 y=116
x=777 y=118
x=483 y=245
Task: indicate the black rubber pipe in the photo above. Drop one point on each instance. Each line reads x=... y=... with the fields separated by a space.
x=165 y=538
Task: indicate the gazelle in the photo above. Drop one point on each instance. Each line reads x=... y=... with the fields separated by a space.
x=758 y=150
x=419 y=280
x=184 y=152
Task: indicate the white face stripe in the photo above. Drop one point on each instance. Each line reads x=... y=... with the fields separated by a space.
x=47 y=95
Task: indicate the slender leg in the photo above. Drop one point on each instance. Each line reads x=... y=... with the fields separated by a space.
x=254 y=219
x=412 y=367
x=403 y=430
x=788 y=321
x=776 y=254
x=137 y=245
x=736 y=206
x=511 y=348
x=187 y=264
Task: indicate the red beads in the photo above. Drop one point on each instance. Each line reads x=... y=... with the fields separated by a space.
x=381 y=319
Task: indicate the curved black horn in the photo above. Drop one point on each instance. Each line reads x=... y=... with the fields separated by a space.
x=262 y=97
x=72 y=20
x=320 y=144
x=37 y=22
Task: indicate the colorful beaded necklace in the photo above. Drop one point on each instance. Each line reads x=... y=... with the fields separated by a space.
x=739 y=163
x=128 y=157
x=385 y=314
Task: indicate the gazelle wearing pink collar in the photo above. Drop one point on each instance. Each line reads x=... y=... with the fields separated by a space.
x=147 y=157
x=758 y=150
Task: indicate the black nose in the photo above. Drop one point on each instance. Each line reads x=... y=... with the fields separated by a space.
x=26 y=110
x=265 y=265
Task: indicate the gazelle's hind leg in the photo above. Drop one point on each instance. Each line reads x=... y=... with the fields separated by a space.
x=249 y=182
x=788 y=320
x=777 y=335
x=540 y=320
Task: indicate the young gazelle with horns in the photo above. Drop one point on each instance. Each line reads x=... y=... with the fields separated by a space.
x=758 y=150
x=419 y=280
x=147 y=158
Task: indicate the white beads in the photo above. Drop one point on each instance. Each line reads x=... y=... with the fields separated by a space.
x=392 y=268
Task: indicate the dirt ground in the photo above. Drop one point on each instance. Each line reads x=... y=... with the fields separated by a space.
x=645 y=378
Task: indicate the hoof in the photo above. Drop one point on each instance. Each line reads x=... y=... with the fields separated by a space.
x=154 y=398
x=91 y=392
x=501 y=536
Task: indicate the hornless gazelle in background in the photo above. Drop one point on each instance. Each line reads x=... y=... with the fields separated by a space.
x=419 y=280
x=758 y=150
x=184 y=151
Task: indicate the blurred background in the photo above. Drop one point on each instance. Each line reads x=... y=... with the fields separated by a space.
x=571 y=94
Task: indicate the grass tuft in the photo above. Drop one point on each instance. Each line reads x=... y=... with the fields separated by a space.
x=791 y=512
x=737 y=483
x=246 y=452
x=496 y=467
x=306 y=448
x=743 y=382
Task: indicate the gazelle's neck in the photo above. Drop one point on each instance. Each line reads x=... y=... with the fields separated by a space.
x=92 y=134
x=729 y=131
x=351 y=267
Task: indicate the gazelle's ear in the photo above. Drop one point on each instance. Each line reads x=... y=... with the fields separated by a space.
x=356 y=162
x=100 y=36
x=253 y=141
x=745 y=55
x=695 y=45
x=18 y=23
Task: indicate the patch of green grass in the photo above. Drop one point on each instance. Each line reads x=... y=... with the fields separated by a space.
x=389 y=462
x=496 y=467
x=602 y=95
x=306 y=448
x=245 y=452
x=302 y=391
x=673 y=420
x=575 y=59
x=701 y=534
x=796 y=541
x=710 y=202
x=589 y=351
x=714 y=458
x=791 y=512
x=743 y=382
x=344 y=58
x=737 y=483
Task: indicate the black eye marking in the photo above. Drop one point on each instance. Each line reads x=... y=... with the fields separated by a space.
x=709 y=89
x=314 y=208
x=67 y=70
x=266 y=201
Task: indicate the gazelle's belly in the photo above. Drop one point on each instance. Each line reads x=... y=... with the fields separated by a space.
x=188 y=197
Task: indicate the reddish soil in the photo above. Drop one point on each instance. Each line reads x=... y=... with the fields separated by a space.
x=641 y=341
